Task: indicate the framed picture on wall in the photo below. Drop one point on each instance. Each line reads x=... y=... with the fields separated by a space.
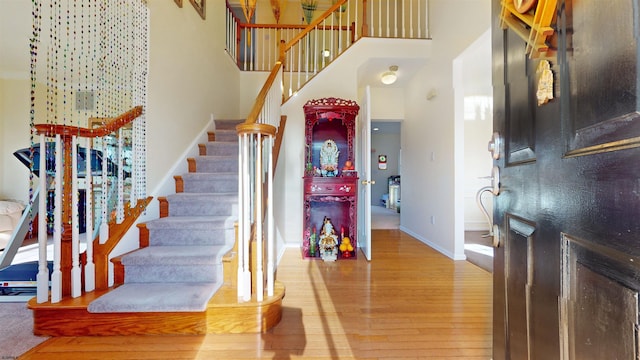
x=200 y=6
x=178 y=2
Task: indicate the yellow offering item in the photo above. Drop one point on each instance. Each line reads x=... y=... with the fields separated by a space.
x=346 y=244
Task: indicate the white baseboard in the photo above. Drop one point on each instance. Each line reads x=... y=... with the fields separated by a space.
x=435 y=246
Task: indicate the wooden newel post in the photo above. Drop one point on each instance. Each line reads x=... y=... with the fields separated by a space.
x=66 y=260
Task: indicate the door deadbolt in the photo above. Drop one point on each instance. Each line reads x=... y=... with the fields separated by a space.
x=494 y=145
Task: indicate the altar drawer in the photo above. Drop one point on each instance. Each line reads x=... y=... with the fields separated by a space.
x=330 y=186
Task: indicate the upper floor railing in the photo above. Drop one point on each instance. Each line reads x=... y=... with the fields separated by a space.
x=310 y=48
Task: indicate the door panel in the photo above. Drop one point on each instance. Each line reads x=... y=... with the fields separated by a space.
x=602 y=81
x=599 y=301
x=364 y=170
x=518 y=277
x=567 y=275
x=519 y=115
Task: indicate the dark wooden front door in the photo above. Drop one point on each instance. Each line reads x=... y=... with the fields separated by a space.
x=567 y=271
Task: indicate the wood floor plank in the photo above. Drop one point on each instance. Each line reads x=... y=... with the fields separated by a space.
x=410 y=302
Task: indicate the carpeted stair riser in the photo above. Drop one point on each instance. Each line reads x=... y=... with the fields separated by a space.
x=172 y=264
x=227 y=124
x=202 y=204
x=222 y=148
x=217 y=164
x=171 y=274
x=210 y=183
x=176 y=236
x=227 y=135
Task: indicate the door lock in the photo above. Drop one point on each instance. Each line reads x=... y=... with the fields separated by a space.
x=494 y=145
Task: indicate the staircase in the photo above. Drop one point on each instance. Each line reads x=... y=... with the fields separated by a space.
x=181 y=279
x=181 y=266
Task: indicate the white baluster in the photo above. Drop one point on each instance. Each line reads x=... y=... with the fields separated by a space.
x=42 y=279
x=89 y=268
x=270 y=221
x=56 y=276
x=104 y=226
x=247 y=223
x=241 y=218
x=379 y=17
x=120 y=184
x=411 y=21
x=76 y=282
x=259 y=218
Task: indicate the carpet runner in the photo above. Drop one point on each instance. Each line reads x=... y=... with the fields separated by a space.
x=182 y=267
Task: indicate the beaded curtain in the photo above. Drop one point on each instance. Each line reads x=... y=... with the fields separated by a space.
x=89 y=60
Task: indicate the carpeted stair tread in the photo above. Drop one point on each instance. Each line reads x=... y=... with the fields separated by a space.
x=217 y=164
x=226 y=135
x=229 y=124
x=191 y=222
x=156 y=297
x=221 y=197
x=222 y=148
x=174 y=255
x=210 y=182
x=195 y=204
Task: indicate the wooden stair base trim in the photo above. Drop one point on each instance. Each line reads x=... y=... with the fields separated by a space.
x=202 y=149
x=224 y=315
x=164 y=206
x=211 y=136
x=191 y=164
x=143 y=235
x=179 y=183
x=118 y=271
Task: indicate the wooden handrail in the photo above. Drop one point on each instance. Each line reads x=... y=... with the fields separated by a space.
x=66 y=133
x=291 y=26
x=112 y=125
x=116 y=233
x=262 y=95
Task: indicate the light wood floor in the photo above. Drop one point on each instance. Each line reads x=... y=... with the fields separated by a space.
x=410 y=302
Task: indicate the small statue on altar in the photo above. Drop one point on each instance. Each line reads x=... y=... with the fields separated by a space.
x=329 y=158
x=328 y=244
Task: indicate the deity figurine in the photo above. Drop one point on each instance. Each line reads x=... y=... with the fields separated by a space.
x=328 y=244
x=329 y=158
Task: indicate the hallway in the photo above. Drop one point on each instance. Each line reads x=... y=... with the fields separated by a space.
x=410 y=302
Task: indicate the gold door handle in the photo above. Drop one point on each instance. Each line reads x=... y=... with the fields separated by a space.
x=368 y=182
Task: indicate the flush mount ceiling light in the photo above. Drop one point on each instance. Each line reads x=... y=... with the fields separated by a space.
x=389 y=77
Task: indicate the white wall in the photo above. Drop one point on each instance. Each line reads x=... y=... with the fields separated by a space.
x=473 y=84
x=428 y=169
x=387 y=103
x=339 y=79
x=191 y=79
x=14 y=135
x=15 y=29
